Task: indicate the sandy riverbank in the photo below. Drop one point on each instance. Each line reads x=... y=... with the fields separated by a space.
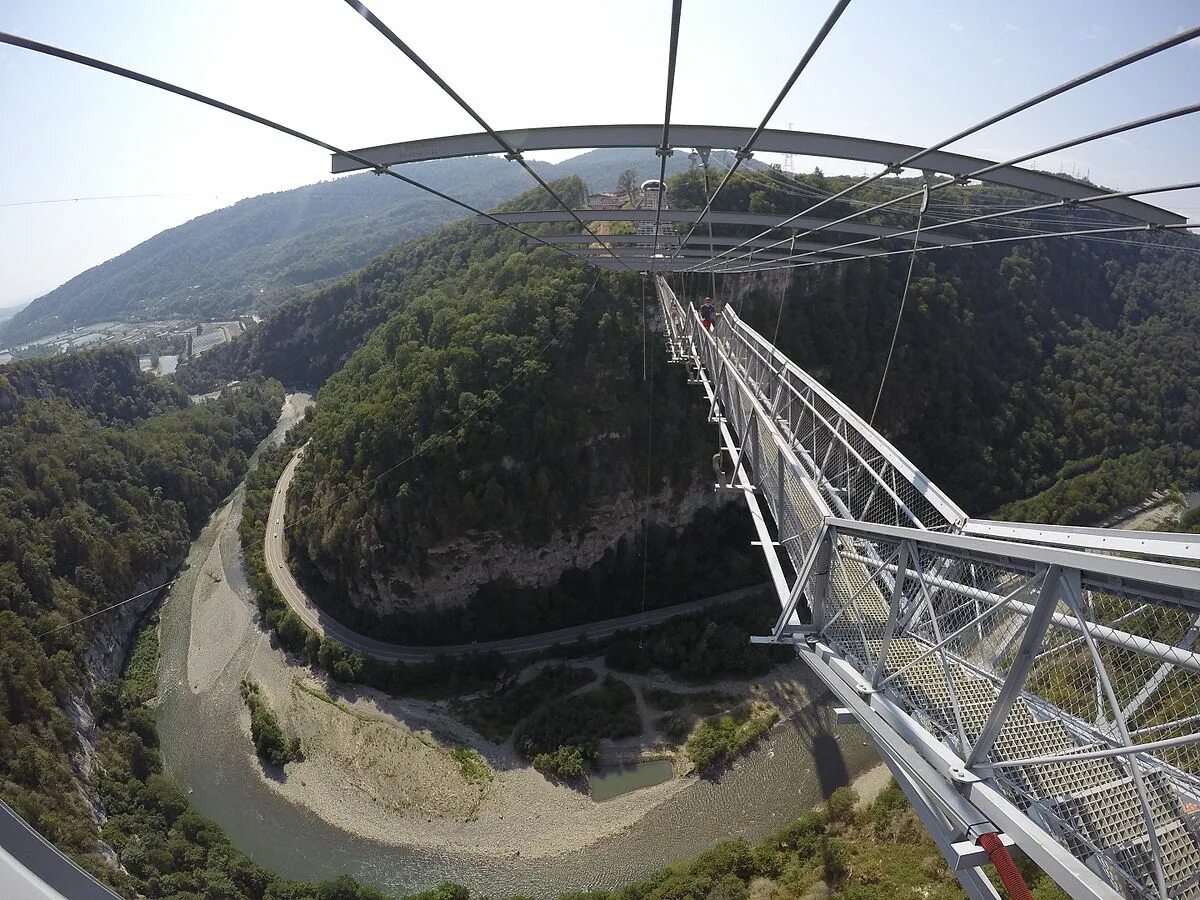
x=376 y=766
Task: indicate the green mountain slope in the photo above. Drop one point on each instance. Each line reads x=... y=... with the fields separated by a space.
x=543 y=362
x=259 y=251
x=1014 y=361
x=105 y=477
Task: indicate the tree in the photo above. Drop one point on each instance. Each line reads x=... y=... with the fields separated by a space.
x=627 y=184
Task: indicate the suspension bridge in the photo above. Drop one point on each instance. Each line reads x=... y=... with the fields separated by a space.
x=1027 y=685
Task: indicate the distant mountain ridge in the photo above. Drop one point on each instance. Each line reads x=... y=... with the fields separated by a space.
x=251 y=256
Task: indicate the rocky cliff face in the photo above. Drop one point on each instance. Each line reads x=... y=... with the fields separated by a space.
x=456 y=569
x=113 y=632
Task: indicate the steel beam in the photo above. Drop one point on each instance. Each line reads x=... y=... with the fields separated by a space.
x=1176 y=584
x=770 y=140
x=1014 y=682
x=1165 y=545
x=672 y=240
x=687 y=216
x=972 y=803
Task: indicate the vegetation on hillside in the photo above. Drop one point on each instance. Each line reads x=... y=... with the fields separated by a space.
x=106 y=476
x=1013 y=361
x=1090 y=489
x=272 y=745
x=265 y=250
x=505 y=397
x=166 y=850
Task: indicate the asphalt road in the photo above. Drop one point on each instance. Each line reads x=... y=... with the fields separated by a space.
x=31 y=868
x=322 y=622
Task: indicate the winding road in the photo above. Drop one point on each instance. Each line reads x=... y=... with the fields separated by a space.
x=318 y=620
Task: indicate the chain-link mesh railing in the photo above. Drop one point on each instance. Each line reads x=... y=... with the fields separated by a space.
x=1068 y=680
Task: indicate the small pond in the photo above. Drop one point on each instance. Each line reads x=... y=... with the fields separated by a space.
x=612 y=781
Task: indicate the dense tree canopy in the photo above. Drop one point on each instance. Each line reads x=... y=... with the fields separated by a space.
x=105 y=475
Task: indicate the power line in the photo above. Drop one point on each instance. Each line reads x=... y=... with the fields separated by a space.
x=746 y=150
x=510 y=152
x=151 y=81
x=105 y=197
x=73 y=622
x=1137 y=56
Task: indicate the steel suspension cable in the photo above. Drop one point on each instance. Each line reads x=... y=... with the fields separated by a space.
x=912 y=259
x=1080 y=80
x=151 y=81
x=991 y=167
x=746 y=150
x=511 y=153
x=664 y=148
x=984 y=217
x=1119 y=229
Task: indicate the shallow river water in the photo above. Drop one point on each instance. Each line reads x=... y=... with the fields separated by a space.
x=205 y=750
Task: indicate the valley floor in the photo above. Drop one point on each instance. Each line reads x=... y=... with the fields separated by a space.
x=380 y=767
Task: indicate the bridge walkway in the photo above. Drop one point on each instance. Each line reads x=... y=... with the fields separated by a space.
x=1040 y=683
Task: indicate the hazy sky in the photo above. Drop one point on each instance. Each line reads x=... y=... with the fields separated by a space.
x=912 y=71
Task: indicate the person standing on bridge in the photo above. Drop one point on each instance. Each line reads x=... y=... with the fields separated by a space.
x=708 y=313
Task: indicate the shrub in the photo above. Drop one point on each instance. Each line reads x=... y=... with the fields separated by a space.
x=269 y=740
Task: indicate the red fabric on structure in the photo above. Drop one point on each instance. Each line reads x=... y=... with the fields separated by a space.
x=1010 y=877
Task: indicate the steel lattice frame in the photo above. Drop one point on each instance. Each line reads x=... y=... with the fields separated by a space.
x=1011 y=684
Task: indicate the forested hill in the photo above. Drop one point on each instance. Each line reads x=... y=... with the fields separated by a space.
x=1017 y=365
x=104 y=384
x=105 y=477
x=258 y=252
x=541 y=364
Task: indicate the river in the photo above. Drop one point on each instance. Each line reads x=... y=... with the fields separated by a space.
x=206 y=751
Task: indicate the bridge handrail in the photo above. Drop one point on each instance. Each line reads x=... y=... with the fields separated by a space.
x=1060 y=680
x=952 y=512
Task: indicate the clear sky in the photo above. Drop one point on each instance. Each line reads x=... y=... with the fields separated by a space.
x=907 y=70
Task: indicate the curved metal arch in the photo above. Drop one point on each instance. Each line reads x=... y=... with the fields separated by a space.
x=687 y=216
x=701 y=243
x=771 y=140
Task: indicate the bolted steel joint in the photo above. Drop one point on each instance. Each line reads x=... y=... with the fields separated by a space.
x=744 y=154
x=515 y=156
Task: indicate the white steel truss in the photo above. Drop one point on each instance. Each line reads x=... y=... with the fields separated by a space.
x=1038 y=682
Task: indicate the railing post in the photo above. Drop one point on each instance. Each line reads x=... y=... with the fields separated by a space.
x=811 y=560
x=780 y=492
x=1031 y=643
x=893 y=610
x=1073 y=597
x=820 y=578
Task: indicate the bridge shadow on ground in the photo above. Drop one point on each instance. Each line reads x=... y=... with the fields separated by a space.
x=814 y=723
